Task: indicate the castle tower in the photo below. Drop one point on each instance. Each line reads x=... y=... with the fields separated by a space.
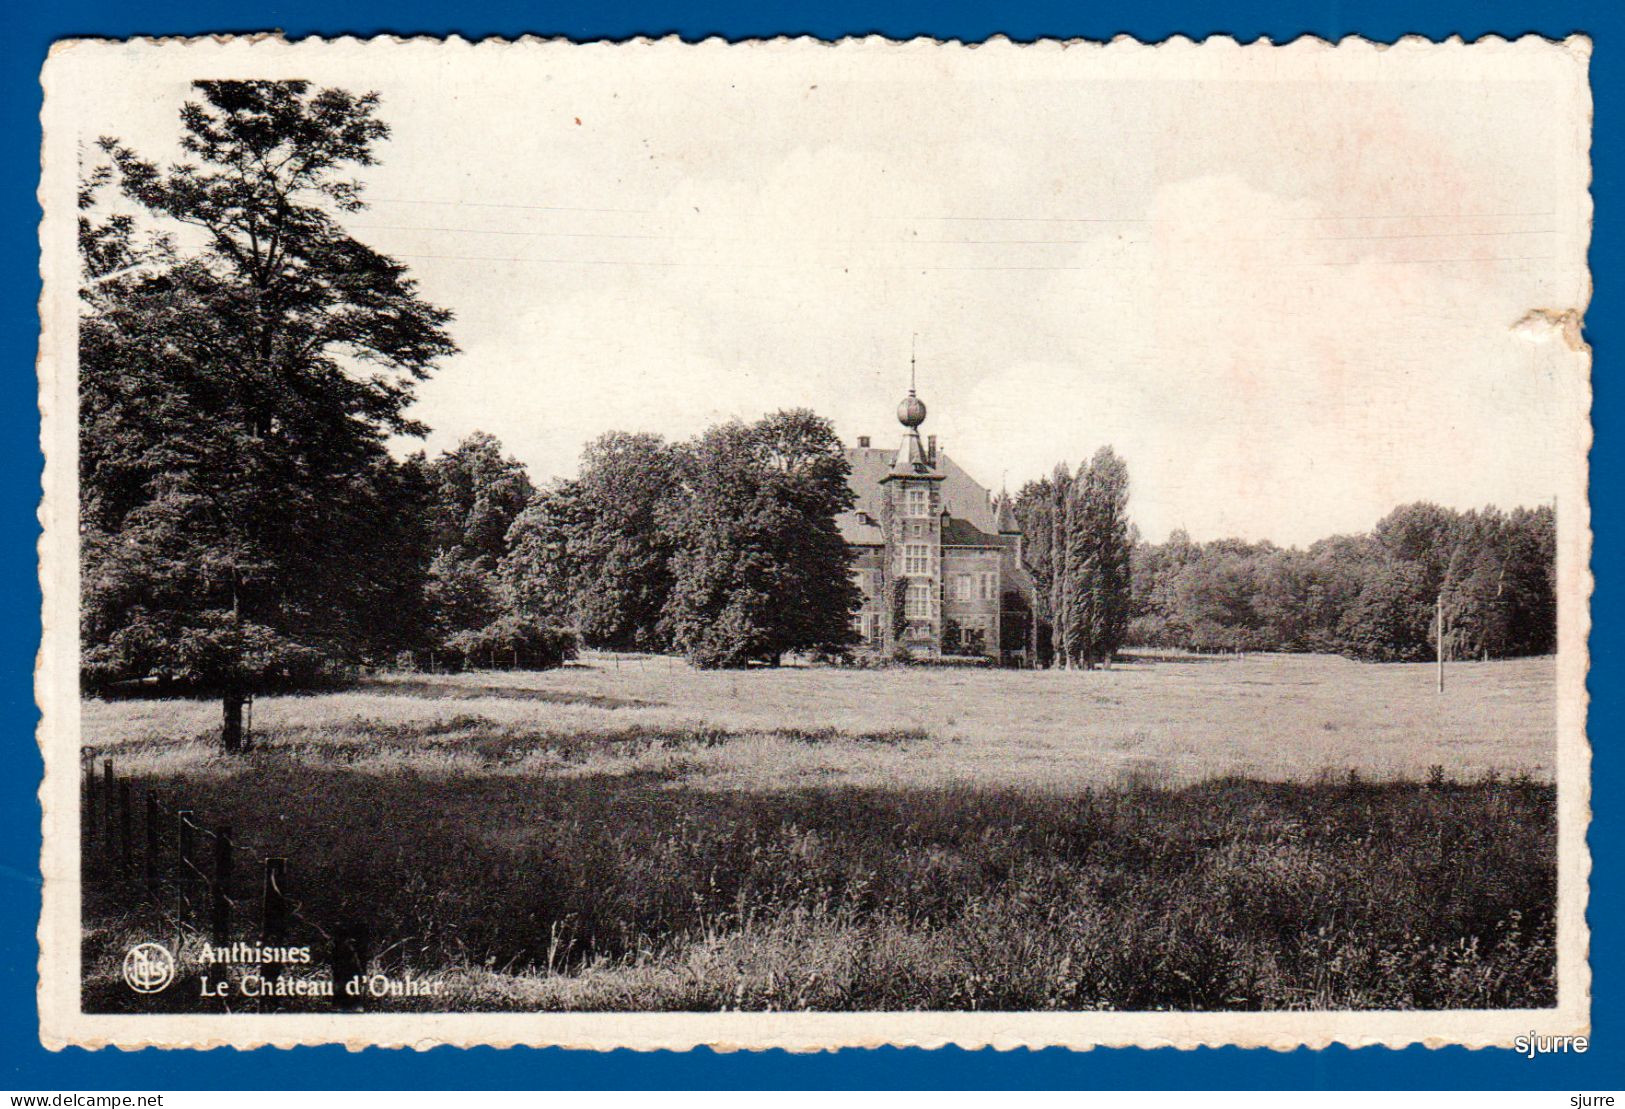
x=913 y=539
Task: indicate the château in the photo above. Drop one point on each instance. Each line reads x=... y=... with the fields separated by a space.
x=937 y=555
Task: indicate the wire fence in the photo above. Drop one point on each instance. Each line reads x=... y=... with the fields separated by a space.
x=143 y=850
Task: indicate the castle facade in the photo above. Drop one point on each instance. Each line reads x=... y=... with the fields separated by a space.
x=937 y=555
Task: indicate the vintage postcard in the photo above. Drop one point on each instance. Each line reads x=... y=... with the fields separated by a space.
x=804 y=544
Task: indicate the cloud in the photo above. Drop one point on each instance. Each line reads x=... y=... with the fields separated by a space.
x=1288 y=304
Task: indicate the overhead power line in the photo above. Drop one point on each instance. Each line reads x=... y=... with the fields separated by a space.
x=1442 y=236
x=666 y=264
x=971 y=219
x=493 y=204
x=527 y=233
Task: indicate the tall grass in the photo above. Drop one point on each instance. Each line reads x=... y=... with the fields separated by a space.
x=632 y=889
x=629 y=834
x=1268 y=717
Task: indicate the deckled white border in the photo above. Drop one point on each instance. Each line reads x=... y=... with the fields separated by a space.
x=71 y=69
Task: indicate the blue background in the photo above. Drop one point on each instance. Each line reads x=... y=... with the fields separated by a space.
x=27 y=29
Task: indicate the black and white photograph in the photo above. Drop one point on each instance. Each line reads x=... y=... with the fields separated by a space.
x=802 y=544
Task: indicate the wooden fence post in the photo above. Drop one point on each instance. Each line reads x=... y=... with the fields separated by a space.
x=126 y=846
x=183 y=865
x=152 y=843
x=274 y=922
x=349 y=962
x=222 y=886
x=107 y=799
x=88 y=827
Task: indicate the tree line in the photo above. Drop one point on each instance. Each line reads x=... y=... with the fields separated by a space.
x=723 y=548
x=1491 y=574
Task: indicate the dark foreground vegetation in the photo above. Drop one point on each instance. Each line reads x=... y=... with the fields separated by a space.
x=630 y=892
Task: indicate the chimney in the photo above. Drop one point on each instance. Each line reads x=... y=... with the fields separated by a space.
x=931 y=449
x=863 y=441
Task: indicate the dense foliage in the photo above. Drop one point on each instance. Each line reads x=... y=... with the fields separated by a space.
x=595 y=551
x=513 y=641
x=1368 y=596
x=1077 y=545
x=723 y=548
x=242 y=521
x=761 y=568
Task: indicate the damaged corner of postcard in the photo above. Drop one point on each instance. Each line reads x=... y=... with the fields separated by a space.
x=799 y=545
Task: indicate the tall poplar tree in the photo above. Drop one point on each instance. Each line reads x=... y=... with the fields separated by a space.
x=1109 y=547
x=1034 y=511
x=1060 y=502
x=1082 y=567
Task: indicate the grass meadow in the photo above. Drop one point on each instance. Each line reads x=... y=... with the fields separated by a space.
x=630 y=834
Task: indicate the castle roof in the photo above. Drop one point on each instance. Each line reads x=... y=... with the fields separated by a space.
x=963 y=533
x=968 y=503
x=860 y=529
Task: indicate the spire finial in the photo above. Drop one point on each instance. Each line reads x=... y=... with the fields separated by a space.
x=911 y=413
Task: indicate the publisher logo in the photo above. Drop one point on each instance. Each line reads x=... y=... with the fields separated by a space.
x=149 y=967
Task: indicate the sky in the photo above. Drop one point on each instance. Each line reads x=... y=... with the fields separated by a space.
x=1289 y=295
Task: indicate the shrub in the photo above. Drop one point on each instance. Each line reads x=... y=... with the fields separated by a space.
x=519 y=641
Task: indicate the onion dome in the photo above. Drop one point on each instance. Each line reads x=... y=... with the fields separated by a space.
x=911 y=413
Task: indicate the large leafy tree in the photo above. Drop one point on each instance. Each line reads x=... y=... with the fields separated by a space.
x=241 y=518
x=1079 y=561
x=761 y=569
x=625 y=549
x=479 y=493
x=1097 y=583
x=596 y=551
x=1530 y=551
x=541 y=569
x=1424 y=533
x=1390 y=620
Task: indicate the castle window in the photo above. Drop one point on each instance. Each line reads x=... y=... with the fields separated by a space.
x=916 y=559
x=867 y=625
x=962 y=587
x=989 y=586
x=919 y=502
x=918 y=603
